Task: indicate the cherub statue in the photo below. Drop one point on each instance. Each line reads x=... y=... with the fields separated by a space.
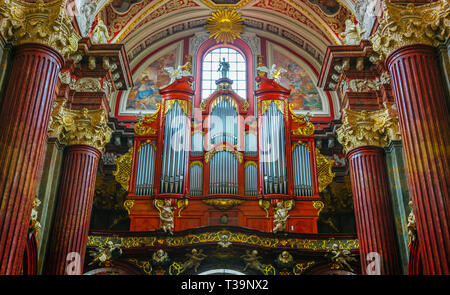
x=353 y=33
x=411 y=226
x=252 y=261
x=166 y=215
x=224 y=67
x=35 y=225
x=273 y=72
x=341 y=257
x=160 y=257
x=285 y=260
x=104 y=255
x=179 y=72
x=100 y=33
x=224 y=240
x=194 y=260
x=281 y=215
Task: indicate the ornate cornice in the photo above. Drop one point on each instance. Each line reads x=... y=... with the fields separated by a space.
x=47 y=23
x=86 y=127
x=409 y=24
x=375 y=128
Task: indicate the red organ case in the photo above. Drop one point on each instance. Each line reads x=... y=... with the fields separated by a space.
x=217 y=164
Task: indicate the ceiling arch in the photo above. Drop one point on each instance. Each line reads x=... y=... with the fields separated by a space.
x=304 y=15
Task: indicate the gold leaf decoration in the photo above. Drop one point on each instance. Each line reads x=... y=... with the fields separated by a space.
x=142 y=128
x=408 y=24
x=306 y=128
x=223 y=204
x=225 y=26
x=123 y=172
x=128 y=204
x=39 y=22
x=324 y=174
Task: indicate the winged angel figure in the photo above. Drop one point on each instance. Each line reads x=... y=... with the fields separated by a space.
x=273 y=72
x=178 y=73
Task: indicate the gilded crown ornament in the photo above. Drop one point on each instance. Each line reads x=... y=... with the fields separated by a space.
x=87 y=127
x=409 y=24
x=225 y=26
x=41 y=22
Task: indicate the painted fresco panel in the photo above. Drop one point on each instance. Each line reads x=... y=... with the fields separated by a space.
x=144 y=96
x=304 y=94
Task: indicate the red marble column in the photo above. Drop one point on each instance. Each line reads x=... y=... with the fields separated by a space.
x=373 y=209
x=24 y=119
x=425 y=128
x=73 y=207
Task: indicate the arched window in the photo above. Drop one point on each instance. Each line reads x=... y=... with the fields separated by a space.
x=237 y=73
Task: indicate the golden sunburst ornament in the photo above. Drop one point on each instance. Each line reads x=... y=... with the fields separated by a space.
x=225 y=25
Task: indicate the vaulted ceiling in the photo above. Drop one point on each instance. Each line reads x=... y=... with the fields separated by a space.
x=317 y=23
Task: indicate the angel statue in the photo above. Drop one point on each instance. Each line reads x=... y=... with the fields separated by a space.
x=252 y=261
x=165 y=214
x=224 y=67
x=100 y=33
x=341 y=257
x=353 y=33
x=104 y=255
x=179 y=72
x=194 y=260
x=281 y=215
x=273 y=72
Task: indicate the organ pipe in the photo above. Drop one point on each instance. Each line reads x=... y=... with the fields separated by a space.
x=174 y=154
x=274 y=159
x=145 y=169
x=301 y=163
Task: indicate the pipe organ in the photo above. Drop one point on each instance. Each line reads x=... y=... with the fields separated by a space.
x=216 y=159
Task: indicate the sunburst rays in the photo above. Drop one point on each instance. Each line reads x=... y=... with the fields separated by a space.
x=225 y=26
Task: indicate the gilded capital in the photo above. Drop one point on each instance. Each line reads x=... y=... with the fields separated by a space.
x=408 y=24
x=41 y=22
x=375 y=128
x=87 y=127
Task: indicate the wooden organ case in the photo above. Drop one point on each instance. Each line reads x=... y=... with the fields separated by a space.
x=231 y=169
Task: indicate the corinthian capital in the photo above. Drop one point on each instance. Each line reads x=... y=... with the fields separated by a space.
x=375 y=128
x=38 y=22
x=87 y=127
x=409 y=24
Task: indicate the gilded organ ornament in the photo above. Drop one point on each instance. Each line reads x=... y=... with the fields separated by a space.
x=324 y=174
x=225 y=26
x=123 y=171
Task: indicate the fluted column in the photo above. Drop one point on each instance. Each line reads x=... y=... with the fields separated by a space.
x=85 y=133
x=363 y=134
x=408 y=36
x=41 y=35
